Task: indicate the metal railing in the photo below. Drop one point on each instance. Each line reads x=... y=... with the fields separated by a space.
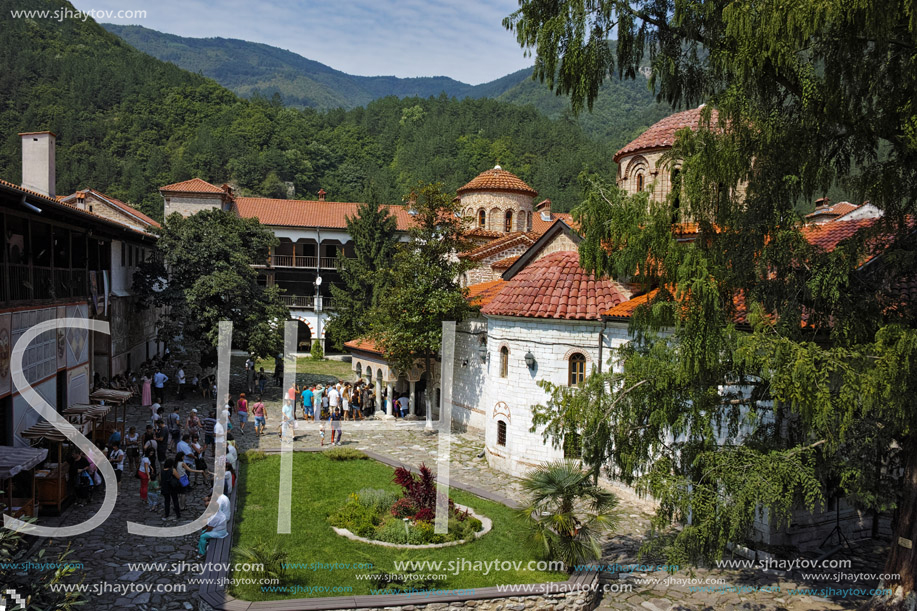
x=305 y=301
x=298 y=301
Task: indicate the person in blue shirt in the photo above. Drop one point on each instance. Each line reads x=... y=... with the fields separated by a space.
x=308 y=412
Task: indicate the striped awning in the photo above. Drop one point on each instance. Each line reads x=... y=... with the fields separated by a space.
x=14 y=460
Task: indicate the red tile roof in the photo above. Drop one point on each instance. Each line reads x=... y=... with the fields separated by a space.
x=626 y=309
x=363 y=344
x=539 y=225
x=836 y=210
x=483 y=293
x=828 y=235
x=303 y=213
x=477 y=232
x=662 y=134
x=504 y=263
x=497 y=179
x=195 y=185
x=506 y=241
x=555 y=286
x=117 y=203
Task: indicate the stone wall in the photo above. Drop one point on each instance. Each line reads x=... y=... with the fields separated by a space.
x=485 y=273
x=187 y=204
x=560 y=243
x=495 y=204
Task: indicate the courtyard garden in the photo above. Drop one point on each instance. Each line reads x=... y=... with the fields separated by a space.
x=363 y=494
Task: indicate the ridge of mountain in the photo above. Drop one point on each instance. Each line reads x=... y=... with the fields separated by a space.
x=624 y=109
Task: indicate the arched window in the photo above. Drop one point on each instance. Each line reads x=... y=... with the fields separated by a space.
x=482 y=218
x=504 y=362
x=639 y=182
x=528 y=223
x=576 y=369
x=508 y=221
x=501 y=433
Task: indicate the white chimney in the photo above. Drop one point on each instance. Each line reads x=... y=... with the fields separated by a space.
x=38 y=162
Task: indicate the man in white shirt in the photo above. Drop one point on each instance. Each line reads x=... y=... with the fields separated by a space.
x=334 y=397
x=159 y=386
x=216 y=529
x=181 y=382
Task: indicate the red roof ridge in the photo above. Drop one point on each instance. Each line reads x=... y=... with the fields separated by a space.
x=500 y=244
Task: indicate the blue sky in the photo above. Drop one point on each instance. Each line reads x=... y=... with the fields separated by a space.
x=463 y=39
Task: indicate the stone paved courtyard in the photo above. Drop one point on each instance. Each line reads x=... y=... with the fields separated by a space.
x=106 y=551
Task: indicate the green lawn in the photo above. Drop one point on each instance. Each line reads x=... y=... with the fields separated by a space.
x=321 y=486
x=337 y=369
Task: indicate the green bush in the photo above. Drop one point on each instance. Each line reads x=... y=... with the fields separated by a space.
x=345 y=454
x=316 y=351
x=253 y=454
x=380 y=501
x=391 y=530
x=423 y=533
x=356 y=518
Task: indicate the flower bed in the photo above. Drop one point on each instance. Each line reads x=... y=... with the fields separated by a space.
x=407 y=519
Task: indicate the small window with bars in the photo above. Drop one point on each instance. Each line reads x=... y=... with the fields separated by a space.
x=501 y=433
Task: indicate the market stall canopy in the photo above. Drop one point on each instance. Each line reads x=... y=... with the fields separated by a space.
x=111 y=395
x=89 y=411
x=14 y=460
x=43 y=430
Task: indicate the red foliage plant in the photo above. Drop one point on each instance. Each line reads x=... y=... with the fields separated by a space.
x=424 y=515
x=420 y=489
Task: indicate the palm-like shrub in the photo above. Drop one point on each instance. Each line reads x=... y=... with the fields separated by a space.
x=567 y=512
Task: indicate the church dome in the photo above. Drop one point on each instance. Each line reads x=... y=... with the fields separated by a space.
x=497 y=179
x=662 y=134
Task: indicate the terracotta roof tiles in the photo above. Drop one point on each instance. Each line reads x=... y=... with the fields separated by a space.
x=304 y=213
x=662 y=134
x=555 y=286
x=497 y=179
x=364 y=344
x=504 y=263
x=483 y=293
x=195 y=185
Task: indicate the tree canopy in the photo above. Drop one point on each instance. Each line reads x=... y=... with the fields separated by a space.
x=365 y=277
x=423 y=286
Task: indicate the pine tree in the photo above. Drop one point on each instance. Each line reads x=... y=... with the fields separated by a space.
x=364 y=276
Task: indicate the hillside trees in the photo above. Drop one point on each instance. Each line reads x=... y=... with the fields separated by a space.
x=824 y=340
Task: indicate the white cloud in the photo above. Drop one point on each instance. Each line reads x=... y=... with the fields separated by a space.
x=463 y=39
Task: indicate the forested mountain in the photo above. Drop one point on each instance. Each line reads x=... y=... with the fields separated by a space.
x=250 y=68
x=128 y=123
x=623 y=110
